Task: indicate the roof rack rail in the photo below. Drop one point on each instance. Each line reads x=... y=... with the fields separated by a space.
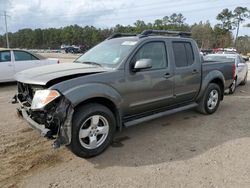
x=117 y=35
x=166 y=32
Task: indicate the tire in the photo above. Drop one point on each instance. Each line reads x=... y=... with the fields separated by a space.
x=206 y=107
x=244 y=82
x=232 y=88
x=89 y=122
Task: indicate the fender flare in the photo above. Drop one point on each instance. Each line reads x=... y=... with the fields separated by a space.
x=80 y=93
x=209 y=78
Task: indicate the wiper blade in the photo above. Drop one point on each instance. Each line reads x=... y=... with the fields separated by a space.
x=77 y=61
x=91 y=63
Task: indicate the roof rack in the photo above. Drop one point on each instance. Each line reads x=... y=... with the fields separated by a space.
x=117 y=35
x=166 y=32
x=146 y=33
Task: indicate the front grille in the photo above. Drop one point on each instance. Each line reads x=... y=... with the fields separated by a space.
x=26 y=91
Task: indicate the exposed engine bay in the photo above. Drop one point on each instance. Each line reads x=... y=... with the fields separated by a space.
x=53 y=121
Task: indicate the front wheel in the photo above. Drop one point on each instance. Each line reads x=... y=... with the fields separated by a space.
x=210 y=100
x=93 y=128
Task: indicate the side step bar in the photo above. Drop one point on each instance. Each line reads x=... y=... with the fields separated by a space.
x=158 y=115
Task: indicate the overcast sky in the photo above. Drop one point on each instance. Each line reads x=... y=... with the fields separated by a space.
x=108 y=13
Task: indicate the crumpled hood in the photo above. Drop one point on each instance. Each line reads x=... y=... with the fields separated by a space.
x=42 y=75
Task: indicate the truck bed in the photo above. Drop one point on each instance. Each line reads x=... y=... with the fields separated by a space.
x=226 y=68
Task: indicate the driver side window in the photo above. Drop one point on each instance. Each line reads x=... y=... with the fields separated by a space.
x=155 y=51
x=5 y=56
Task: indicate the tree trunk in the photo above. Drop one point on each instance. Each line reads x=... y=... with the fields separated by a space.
x=237 y=32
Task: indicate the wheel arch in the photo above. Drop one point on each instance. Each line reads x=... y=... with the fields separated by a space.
x=213 y=77
x=220 y=83
x=107 y=103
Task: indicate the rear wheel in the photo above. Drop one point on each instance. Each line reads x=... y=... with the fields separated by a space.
x=232 y=88
x=93 y=128
x=210 y=100
x=244 y=82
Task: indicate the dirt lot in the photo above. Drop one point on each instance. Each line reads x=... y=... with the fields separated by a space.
x=183 y=150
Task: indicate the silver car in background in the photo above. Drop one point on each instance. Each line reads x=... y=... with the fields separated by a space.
x=241 y=67
x=13 y=61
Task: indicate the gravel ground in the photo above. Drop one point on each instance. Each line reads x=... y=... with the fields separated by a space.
x=186 y=149
x=63 y=57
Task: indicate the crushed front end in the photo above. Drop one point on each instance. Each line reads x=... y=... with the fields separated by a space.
x=52 y=116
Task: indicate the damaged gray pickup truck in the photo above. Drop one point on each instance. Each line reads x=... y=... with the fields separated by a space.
x=123 y=81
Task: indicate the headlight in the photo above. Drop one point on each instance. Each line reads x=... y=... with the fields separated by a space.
x=43 y=97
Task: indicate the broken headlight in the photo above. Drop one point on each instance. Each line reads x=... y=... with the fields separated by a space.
x=43 y=97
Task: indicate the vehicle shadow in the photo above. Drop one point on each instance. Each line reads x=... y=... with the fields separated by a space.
x=177 y=137
x=8 y=84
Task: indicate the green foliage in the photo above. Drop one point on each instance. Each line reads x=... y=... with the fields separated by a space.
x=232 y=19
x=243 y=44
x=226 y=17
x=203 y=34
x=206 y=36
x=241 y=13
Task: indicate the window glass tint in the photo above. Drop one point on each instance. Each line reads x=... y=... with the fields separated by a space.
x=5 y=56
x=180 y=54
x=183 y=54
x=155 y=51
x=23 y=56
x=33 y=57
x=189 y=53
x=109 y=53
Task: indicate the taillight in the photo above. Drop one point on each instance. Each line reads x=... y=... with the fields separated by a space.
x=58 y=61
x=234 y=70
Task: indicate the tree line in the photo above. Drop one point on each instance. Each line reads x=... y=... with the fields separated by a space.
x=206 y=35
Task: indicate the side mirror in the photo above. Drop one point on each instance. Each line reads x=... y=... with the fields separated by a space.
x=246 y=58
x=142 y=64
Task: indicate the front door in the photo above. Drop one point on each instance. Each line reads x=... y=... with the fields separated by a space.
x=152 y=88
x=6 y=66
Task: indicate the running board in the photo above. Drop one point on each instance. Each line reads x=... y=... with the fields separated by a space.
x=158 y=115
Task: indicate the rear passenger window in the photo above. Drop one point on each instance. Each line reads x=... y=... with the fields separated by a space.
x=183 y=54
x=5 y=56
x=23 y=56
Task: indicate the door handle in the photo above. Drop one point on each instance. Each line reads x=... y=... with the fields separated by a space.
x=10 y=65
x=167 y=75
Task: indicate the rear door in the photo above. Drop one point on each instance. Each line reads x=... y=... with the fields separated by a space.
x=6 y=66
x=187 y=71
x=25 y=60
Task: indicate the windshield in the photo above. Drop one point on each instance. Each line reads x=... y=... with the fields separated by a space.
x=109 y=53
x=219 y=58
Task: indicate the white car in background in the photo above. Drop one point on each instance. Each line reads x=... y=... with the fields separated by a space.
x=241 y=67
x=13 y=61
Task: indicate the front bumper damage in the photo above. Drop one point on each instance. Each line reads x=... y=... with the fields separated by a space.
x=53 y=122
